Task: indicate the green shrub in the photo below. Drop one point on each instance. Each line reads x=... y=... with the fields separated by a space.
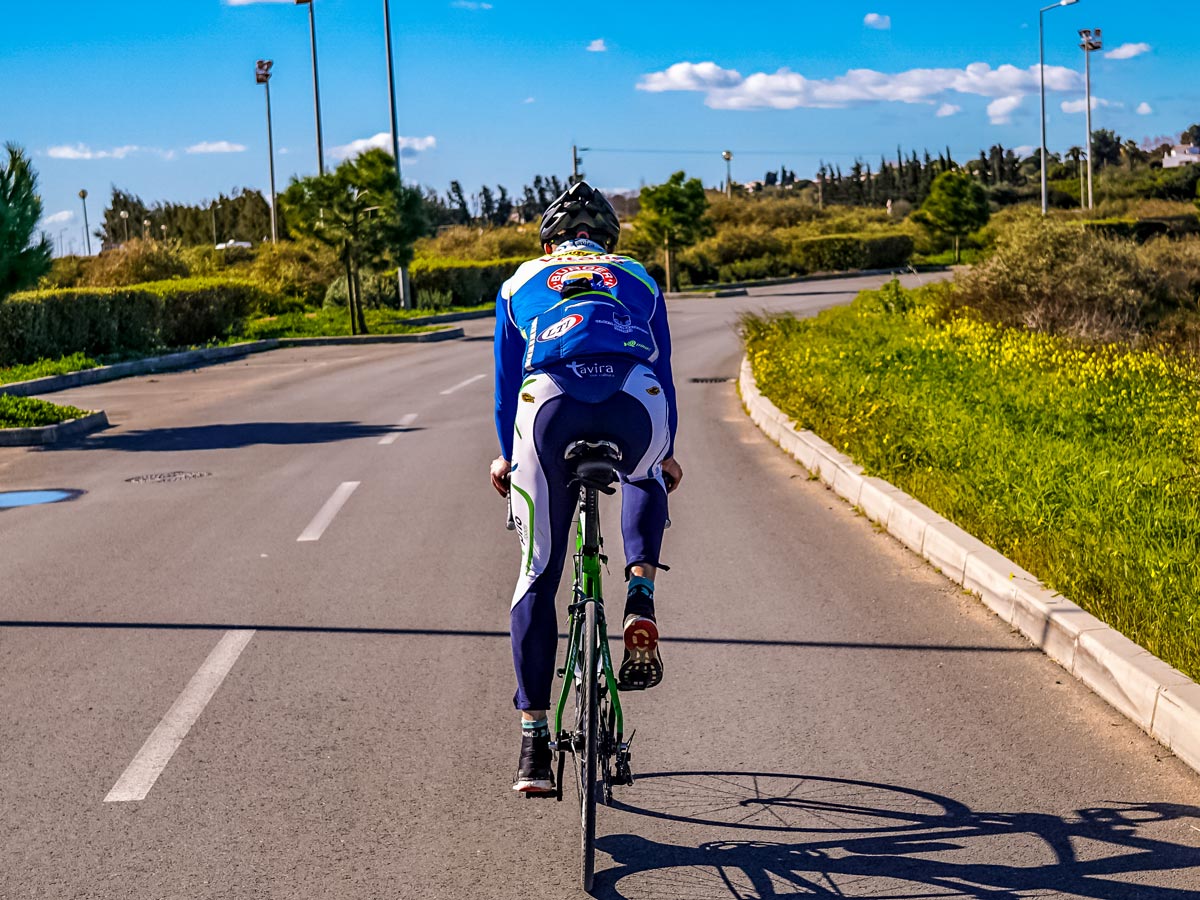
x=45 y=368
x=379 y=291
x=65 y=272
x=434 y=299
x=136 y=262
x=201 y=310
x=301 y=268
x=846 y=252
x=470 y=283
x=480 y=244
x=30 y=412
x=97 y=321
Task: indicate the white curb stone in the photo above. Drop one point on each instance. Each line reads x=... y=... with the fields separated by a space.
x=1161 y=700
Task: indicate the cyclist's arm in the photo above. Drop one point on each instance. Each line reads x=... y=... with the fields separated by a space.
x=509 y=347
x=662 y=365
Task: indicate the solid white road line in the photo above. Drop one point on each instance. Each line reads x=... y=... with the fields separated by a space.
x=390 y=438
x=137 y=779
x=321 y=520
x=463 y=384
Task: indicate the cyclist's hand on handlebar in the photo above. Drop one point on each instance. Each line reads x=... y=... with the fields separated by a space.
x=499 y=472
x=672 y=474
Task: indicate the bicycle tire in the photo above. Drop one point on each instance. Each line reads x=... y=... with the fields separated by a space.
x=586 y=758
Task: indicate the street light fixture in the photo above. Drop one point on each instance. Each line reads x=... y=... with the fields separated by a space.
x=1042 y=75
x=401 y=272
x=1089 y=42
x=145 y=228
x=87 y=237
x=262 y=75
x=728 y=157
x=125 y=219
x=312 y=33
x=163 y=227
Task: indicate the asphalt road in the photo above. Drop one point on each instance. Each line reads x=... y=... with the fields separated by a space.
x=836 y=719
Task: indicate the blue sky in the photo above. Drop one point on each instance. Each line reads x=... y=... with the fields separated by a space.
x=159 y=98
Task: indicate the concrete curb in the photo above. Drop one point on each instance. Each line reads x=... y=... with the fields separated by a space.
x=425 y=337
x=52 y=434
x=146 y=366
x=192 y=358
x=1159 y=699
x=737 y=288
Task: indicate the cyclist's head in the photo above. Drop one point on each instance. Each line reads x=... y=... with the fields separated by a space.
x=581 y=212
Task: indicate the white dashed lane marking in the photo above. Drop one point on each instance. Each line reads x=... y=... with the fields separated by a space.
x=390 y=437
x=137 y=779
x=325 y=515
x=463 y=384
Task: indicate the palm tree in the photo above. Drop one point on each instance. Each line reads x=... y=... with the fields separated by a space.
x=1075 y=155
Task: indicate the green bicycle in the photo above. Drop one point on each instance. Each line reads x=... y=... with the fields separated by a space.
x=600 y=756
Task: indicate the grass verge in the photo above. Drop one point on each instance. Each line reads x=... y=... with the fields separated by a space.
x=44 y=368
x=30 y=412
x=1081 y=463
x=329 y=323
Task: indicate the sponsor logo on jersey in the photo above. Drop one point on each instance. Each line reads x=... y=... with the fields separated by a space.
x=592 y=370
x=558 y=276
x=635 y=345
x=561 y=327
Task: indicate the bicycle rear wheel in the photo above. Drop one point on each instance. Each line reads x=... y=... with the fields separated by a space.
x=585 y=756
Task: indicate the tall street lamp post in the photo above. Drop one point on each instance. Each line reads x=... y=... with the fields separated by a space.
x=145 y=229
x=125 y=220
x=1042 y=74
x=1089 y=42
x=312 y=33
x=401 y=273
x=215 y=206
x=87 y=237
x=728 y=157
x=262 y=75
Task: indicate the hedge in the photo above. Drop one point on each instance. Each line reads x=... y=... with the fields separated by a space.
x=831 y=253
x=97 y=321
x=1142 y=230
x=140 y=319
x=470 y=283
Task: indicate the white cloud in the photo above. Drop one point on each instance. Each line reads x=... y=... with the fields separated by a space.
x=469 y=4
x=1000 y=111
x=528 y=100
x=1144 y=109
x=1024 y=151
x=948 y=109
x=785 y=89
x=1127 y=51
x=409 y=146
x=83 y=151
x=877 y=21
x=216 y=147
x=598 y=46
x=1078 y=106
x=59 y=218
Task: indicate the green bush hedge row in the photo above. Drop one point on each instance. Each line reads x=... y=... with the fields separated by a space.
x=468 y=282
x=831 y=253
x=101 y=321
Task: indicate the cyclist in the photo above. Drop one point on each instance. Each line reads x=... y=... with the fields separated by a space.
x=582 y=352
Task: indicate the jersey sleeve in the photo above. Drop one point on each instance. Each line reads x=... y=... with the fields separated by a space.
x=662 y=365
x=509 y=352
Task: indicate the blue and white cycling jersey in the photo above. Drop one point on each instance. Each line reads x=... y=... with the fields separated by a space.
x=538 y=328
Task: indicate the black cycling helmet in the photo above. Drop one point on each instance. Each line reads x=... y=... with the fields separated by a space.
x=581 y=209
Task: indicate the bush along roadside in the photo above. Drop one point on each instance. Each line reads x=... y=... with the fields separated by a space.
x=1079 y=462
x=469 y=283
x=725 y=261
x=48 y=324
x=30 y=412
x=46 y=368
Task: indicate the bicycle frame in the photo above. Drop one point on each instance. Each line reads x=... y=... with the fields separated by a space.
x=588 y=589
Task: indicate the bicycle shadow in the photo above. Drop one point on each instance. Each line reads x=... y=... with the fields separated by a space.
x=830 y=837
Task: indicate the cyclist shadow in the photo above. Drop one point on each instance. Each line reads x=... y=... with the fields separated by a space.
x=776 y=835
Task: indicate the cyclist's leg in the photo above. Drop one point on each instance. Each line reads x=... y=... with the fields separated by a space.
x=543 y=505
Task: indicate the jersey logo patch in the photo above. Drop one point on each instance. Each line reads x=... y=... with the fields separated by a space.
x=555 y=281
x=561 y=327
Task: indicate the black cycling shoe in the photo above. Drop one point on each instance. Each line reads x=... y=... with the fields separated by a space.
x=641 y=667
x=535 y=774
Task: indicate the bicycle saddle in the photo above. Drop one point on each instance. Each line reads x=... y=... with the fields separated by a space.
x=593 y=464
